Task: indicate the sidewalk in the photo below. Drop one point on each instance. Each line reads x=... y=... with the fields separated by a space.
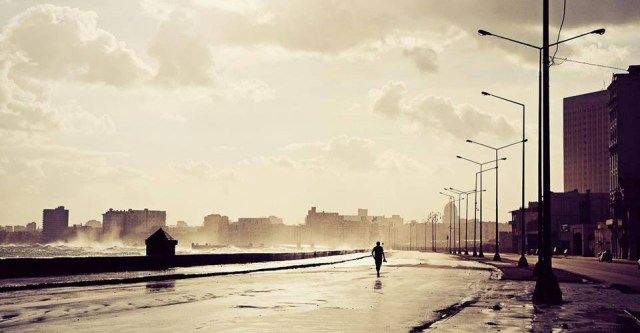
x=587 y=307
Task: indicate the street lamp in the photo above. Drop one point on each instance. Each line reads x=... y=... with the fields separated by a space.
x=466 y=221
x=450 y=189
x=481 y=254
x=523 y=260
x=451 y=198
x=496 y=256
x=547 y=288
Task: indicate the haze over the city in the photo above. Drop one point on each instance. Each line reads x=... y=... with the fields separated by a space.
x=259 y=108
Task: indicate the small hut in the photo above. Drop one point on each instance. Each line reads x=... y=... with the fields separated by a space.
x=160 y=243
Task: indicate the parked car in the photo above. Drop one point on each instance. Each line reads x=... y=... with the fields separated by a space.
x=605 y=256
x=638 y=263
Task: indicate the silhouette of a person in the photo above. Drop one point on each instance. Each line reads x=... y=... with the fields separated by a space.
x=378 y=256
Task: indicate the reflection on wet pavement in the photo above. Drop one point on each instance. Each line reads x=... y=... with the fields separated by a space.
x=378 y=284
x=160 y=286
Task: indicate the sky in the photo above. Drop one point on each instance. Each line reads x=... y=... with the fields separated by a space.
x=260 y=108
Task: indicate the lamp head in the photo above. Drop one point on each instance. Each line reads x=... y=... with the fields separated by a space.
x=458 y=156
x=486 y=93
x=503 y=159
x=469 y=141
x=598 y=31
x=484 y=33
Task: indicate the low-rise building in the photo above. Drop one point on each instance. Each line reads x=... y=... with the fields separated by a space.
x=574 y=219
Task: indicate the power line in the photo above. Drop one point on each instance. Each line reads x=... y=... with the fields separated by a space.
x=564 y=12
x=590 y=64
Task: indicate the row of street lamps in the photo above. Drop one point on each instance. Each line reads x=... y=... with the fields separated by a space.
x=547 y=289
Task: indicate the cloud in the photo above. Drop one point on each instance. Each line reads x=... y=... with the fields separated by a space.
x=184 y=59
x=425 y=59
x=343 y=151
x=335 y=27
x=35 y=168
x=22 y=105
x=49 y=43
x=389 y=100
x=390 y=160
x=77 y=120
x=25 y=106
x=62 y=43
x=204 y=171
x=339 y=154
x=252 y=89
x=437 y=113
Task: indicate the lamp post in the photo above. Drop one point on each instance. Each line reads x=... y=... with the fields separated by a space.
x=481 y=253
x=547 y=288
x=459 y=193
x=450 y=209
x=466 y=220
x=496 y=256
x=523 y=260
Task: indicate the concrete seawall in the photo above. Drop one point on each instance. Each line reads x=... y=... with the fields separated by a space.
x=33 y=267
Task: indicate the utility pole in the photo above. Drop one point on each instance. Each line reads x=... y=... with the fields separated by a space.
x=547 y=289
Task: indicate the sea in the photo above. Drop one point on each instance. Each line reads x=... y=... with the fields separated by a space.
x=84 y=250
x=120 y=249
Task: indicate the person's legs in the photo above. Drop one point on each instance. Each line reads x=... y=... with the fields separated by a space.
x=378 y=264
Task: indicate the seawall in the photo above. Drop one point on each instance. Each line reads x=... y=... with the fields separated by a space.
x=33 y=267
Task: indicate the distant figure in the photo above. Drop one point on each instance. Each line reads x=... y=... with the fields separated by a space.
x=378 y=256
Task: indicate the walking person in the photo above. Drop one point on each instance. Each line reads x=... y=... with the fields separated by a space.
x=378 y=256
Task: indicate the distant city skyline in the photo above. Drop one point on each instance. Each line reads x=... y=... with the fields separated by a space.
x=258 y=108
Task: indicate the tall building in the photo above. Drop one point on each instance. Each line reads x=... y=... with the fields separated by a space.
x=216 y=227
x=624 y=154
x=54 y=224
x=132 y=223
x=586 y=142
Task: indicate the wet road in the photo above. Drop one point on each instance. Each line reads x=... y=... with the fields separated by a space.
x=622 y=275
x=415 y=290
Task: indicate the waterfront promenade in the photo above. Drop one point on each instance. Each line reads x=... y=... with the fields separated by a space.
x=416 y=292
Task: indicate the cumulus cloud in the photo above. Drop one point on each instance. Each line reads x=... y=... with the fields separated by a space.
x=48 y=43
x=183 y=56
x=62 y=43
x=437 y=113
x=25 y=106
x=21 y=106
x=390 y=99
x=205 y=171
x=425 y=59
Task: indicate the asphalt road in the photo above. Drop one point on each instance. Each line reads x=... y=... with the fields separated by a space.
x=618 y=274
